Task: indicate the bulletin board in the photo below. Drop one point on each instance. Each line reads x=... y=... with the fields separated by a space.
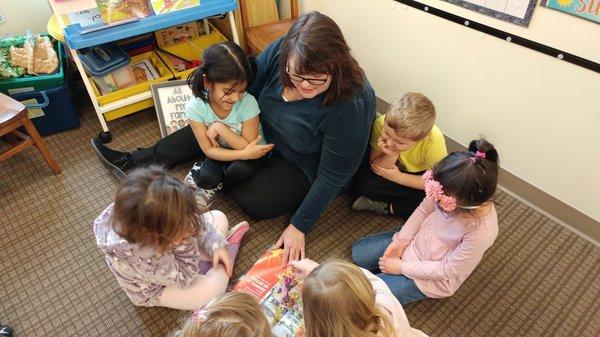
x=549 y=31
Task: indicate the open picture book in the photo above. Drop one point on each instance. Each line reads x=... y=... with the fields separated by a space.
x=278 y=292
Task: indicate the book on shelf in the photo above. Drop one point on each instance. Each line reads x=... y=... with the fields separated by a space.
x=278 y=292
x=85 y=18
x=166 y=6
x=144 y=71
x=121 y=10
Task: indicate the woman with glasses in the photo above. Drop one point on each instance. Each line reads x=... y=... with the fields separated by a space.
x=317 y=107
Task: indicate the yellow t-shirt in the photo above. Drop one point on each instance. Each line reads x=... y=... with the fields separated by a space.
x=423 y=155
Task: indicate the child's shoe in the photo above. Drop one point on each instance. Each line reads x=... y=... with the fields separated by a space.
x=205 y=197
x=5 y=331
x=115 y=161
x=366 y=204
x=235 y=233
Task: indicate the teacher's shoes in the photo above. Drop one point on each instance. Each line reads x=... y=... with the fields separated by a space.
x=206 y=196
x=366 y=204
x=115 y=161
x=5 y=331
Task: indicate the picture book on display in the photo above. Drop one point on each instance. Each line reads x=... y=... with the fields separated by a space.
x=166 y=6
x=278 y=292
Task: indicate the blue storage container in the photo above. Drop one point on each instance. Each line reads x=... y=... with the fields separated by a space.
x=58 y=115
x=101 y=60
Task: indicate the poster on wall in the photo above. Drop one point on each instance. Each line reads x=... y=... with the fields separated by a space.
x=518 y=12
x=587 y=9
x=170 y=99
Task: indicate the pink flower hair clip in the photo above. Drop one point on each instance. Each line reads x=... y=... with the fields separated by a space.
x=435 y=192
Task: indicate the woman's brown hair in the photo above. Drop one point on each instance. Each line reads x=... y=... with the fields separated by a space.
x=319 y=47
x=230 y=315
x=339 y=301
x=152 y=208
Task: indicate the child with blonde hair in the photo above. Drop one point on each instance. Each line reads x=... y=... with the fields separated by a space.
x=230 y=315
x=405 y=142
x=159 y=245
x=443 y=241
x=340 y=300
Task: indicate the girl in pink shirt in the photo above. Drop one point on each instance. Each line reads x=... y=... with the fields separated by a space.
x=443 y=241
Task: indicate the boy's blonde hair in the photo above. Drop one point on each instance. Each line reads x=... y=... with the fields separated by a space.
x=339 y=301
x=411 y=115
x=230 y=315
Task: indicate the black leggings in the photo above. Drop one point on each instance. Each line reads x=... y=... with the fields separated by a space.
x=181 y=147
x=404 y=199
x=275 y=188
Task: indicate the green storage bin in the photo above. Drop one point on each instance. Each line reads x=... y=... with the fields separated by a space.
x=37 y=83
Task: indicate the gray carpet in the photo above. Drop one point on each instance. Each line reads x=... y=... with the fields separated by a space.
x=539 y=279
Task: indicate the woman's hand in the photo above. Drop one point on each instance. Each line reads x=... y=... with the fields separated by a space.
x=303 y=267
x=391 y=174
x=222 y=256
x=293 y=242
x=213 y=132
x=390 y=265
x=394 y=249
x=254 y=150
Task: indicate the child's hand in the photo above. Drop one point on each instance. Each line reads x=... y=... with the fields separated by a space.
x=254 y=150
x=303 y=267
x=390 y=265
x=391 y=174
x=212 y=133
x=222 y=255
x=385 y=149
x=395 y=249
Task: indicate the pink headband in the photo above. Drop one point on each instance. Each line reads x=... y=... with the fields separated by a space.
x=435 y=192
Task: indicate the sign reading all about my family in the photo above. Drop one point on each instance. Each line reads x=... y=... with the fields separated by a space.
x=170 y=99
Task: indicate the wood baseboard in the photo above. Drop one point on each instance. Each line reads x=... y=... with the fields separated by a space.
x=557 y=210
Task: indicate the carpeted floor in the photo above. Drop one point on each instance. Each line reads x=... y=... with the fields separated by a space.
x=539 y=279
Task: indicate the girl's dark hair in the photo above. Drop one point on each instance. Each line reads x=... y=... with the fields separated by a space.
x=152 y=208
x=320 y=48
x=468 y=177
x=221 y=62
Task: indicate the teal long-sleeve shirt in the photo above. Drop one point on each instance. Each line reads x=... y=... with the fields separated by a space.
x=326 y=142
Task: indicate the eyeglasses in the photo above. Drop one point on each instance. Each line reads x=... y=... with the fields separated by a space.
x=298 y=78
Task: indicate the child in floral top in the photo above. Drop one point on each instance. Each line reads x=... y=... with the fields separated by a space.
x=160 y=247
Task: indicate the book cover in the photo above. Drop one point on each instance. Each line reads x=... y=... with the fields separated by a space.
x=144 y=71
x=120 y=10
x=278 y=292
x=88 y=17
x=166 y=6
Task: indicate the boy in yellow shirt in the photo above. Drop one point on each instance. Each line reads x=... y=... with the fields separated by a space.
x=404 y=144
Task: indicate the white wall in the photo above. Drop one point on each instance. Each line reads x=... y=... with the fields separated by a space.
x=23 y=15
x=541 y=113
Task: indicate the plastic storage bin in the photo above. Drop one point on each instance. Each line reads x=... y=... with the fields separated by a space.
x=102 y=60
x=58 y=115
x=37 y=83
x=185 y=51
x=165 y=74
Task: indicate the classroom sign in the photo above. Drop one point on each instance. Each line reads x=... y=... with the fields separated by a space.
x=587 y=9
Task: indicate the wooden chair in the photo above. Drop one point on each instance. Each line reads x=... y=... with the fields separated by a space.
x=261 y=23
x=13 y=114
